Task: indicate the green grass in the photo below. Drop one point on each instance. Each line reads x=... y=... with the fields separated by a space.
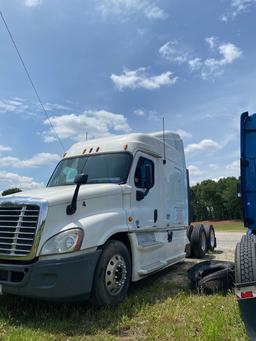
x=235 y=226
x=157 y=308
x=225 y=226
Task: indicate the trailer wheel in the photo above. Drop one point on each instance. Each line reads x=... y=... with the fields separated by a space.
x=245 y=261
x=210 y=236
x=112 y=275
x=198 y=241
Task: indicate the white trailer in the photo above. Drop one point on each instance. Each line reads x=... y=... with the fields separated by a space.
x=115 y=210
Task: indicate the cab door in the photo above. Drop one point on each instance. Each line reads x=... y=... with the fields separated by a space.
x=145 y=194
x=145 y=209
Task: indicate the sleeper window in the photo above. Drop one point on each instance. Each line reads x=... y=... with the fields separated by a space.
x=141 y=173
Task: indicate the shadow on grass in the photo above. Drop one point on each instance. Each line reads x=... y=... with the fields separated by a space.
x=82 y=318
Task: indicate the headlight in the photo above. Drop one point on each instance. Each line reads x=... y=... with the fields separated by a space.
x=66 y=241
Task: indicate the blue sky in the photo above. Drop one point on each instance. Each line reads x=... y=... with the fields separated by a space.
x=117 y=66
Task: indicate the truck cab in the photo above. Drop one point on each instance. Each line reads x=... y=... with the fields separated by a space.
x=115 y=210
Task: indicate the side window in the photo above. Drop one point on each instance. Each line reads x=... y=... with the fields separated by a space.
x=144 y=174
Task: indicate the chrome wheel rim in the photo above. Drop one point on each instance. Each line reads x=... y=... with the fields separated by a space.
x=116 y=274
x=212 y=238
x=203 y=242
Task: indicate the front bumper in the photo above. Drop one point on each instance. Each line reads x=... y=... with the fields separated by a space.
x=62 y=279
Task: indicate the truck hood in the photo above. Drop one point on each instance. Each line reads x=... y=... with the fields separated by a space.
x=63 y=194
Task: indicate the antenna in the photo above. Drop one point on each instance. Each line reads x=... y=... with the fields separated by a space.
x=86 y=136
x=31 y=81
x=164 y=160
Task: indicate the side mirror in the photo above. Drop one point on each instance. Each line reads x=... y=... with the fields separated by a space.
x=149 y=177
x=80 y=179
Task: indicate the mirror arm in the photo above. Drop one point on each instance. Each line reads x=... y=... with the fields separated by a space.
x=71 y=209
x=140 y=195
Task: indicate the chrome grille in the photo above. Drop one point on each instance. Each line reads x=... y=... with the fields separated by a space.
x=18 y=225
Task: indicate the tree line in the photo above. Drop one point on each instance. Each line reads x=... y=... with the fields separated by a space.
x=211 y=200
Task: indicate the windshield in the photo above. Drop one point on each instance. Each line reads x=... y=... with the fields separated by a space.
x=101 y=168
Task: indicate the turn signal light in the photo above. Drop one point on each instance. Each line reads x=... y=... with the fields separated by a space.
x=247 y=294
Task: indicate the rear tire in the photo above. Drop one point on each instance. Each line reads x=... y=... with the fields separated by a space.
x=245 y=262
x=189 y=232
x=210 y=236
x=112 y=275
x=198 y=241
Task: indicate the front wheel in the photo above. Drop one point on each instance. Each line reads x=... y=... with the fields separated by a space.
x=112 y=275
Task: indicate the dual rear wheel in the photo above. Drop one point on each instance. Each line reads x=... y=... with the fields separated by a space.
x=202 y=238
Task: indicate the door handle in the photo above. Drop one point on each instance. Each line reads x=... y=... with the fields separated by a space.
x=169 y=234
x=155 y=215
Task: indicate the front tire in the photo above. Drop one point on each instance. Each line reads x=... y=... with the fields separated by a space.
x=112 y=274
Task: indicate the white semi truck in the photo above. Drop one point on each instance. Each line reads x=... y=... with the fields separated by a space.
x=115 y=210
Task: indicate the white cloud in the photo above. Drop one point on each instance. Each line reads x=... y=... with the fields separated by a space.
x=206 y=144
x=139 y=112
x=194 y=171
x=95 y=123
x=140 y=79
x=217 y=179
x=32 y=3
x=10 y=180
x=154 y=12
x=238 y=7
x=209 y=67
x=230 y=53
x=173 y=53
x=211 y=41
x=212 y=67
x=183 y=134
x=4 y=148
x=149 y=114
x=124 y=8
x=13 y=105
x=234 y=166
x=37 y=160
x=54 y=106
x=195 y=64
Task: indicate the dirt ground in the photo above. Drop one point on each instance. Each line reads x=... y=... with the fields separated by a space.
x=226 y=244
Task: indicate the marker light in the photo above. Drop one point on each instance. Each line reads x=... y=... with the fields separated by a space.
x=63 y=242
x=247 y=294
